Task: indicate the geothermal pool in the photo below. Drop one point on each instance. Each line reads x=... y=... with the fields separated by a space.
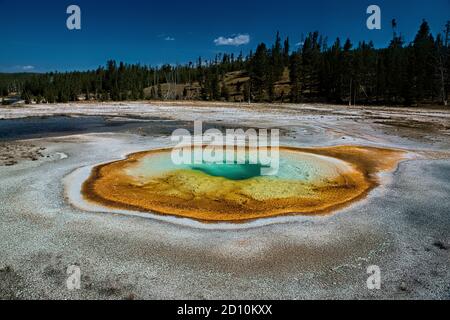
x=308 y=182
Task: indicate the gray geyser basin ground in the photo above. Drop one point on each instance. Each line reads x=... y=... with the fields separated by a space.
x=403 y=227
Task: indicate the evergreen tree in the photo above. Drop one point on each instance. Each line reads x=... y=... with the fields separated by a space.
x=259 y=70
x=277 y=59
x=286 y=52
x=294 y=75
x=311 y=64
x=424 y=51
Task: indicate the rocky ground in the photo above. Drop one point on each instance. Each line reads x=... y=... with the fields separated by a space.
x=403 y=227
x=12 y=153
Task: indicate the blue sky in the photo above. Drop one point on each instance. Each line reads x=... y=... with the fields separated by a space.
x=34 y=36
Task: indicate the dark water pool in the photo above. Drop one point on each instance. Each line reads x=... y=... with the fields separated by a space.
x=38 y=127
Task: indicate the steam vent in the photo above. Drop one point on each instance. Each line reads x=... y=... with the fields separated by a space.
x=309 y=182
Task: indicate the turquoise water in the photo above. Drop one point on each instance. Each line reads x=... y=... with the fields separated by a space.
x=230 y=171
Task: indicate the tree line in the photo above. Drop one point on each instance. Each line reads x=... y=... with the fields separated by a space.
x=344 y=73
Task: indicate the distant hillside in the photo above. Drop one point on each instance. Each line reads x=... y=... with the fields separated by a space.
x=232 y=84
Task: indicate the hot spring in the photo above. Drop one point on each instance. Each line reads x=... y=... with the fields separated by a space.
x=308 y=182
